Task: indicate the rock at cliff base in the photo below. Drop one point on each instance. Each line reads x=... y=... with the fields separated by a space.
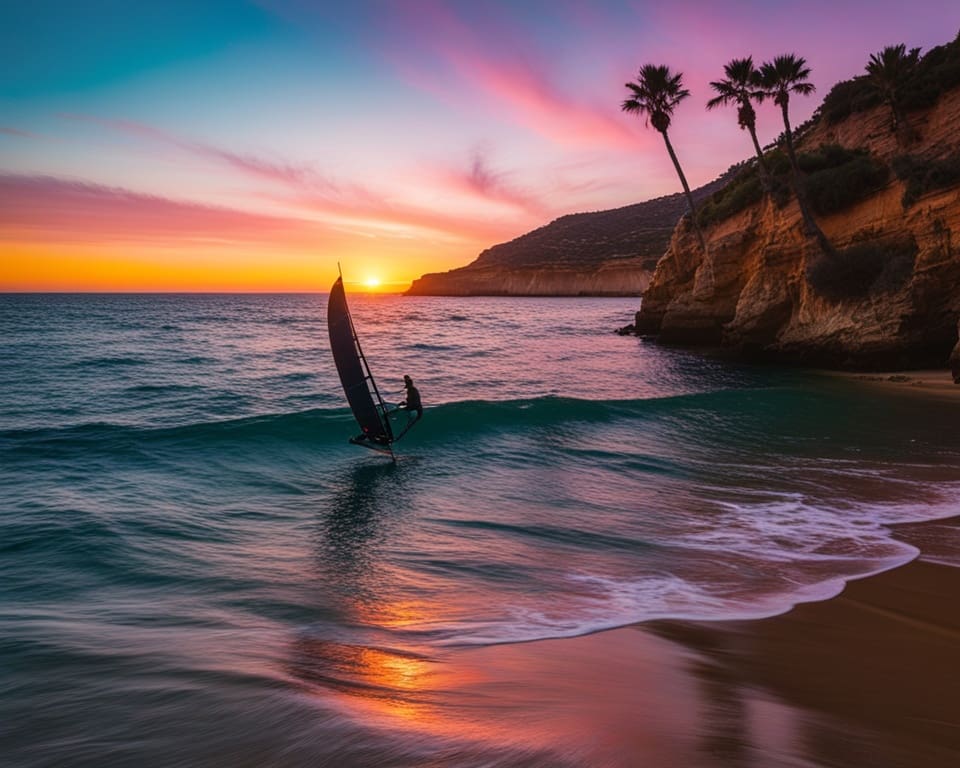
x=955 y=359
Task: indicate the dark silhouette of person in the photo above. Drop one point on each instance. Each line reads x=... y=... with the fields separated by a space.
x=412 y=403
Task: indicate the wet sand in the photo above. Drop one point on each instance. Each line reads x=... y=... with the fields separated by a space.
x=868 y=678
x=872 y=677
x=934 y=382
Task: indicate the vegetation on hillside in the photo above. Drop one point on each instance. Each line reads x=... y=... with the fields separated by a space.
x=834 y=178
x=863 y=269
x=919 y=86
x=922 y=175
x=583 y=239
x=838 y=178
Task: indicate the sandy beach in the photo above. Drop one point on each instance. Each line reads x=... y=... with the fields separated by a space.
x=935 y=382
x=868 y=678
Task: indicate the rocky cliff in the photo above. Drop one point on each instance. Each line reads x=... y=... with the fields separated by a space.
x=604 y=253
x=888 y=298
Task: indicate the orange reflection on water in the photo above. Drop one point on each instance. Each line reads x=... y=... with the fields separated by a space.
x=396 y=615
x=392 y=682
x=604 y=699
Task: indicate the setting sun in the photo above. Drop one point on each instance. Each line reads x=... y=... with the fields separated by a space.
x=372 y=282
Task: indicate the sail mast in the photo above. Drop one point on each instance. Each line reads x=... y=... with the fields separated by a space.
x=355 y=375
x=369 y=376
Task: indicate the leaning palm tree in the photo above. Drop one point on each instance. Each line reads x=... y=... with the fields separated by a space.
x=655 y=94
x=742 y=87
x=779 y=78
x=887 y=72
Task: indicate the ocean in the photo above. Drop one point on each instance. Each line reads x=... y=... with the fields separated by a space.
x=197 y=568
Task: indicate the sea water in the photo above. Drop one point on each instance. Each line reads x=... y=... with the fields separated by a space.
x=183 y=522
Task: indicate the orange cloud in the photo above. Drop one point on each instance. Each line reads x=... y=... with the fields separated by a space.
x=58 y=234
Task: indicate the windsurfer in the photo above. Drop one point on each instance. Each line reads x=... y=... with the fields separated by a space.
x=412 y=403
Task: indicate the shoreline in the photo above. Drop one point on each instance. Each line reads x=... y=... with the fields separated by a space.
x=928 y=381
x=870 y=677
x=874 y=669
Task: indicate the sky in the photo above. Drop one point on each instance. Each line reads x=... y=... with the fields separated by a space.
x=184 y=145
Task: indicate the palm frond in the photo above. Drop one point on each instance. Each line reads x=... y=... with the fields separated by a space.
x=656 y=93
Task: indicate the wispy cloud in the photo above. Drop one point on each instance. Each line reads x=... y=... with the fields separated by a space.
x=8 y=131
x=350 y=206
x=48 y=209
x=479 y=182
x=540 y=106
x=285 y=173
x=455 y=60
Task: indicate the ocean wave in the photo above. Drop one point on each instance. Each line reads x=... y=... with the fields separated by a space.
x=461 y=420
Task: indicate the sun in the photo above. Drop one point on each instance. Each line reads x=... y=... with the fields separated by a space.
x=372 y=282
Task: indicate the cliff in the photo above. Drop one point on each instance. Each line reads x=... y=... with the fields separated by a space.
x=603 y=253
x=888 y=298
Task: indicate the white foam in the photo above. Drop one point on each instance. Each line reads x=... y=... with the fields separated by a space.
x=751 y=560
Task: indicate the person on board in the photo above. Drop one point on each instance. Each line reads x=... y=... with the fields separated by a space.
x=412 y=403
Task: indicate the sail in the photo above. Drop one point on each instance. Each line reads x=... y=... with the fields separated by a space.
x=358 y=384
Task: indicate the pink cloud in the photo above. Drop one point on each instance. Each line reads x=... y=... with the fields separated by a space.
x=284 y=173
x=479 y=181
x=515 y=82
x=47 y=209
x=379 y=215
x=542 y=108
x=350 y=207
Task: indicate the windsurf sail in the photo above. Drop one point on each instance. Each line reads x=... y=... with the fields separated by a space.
x=361 y=390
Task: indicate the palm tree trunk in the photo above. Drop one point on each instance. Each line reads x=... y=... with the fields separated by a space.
x=764 y=171
x=686 y=191
x=809 y=225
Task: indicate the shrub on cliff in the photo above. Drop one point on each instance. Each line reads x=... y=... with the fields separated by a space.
x=848 y=97
x=846 y=177
x=877 y=267
x=744 y=190
x=921 y=175
x=937 y=72
x=834 y=179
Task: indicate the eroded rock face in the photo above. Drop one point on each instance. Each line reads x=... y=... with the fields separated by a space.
x=620 y=277
x=955 y=359
x=752 y=292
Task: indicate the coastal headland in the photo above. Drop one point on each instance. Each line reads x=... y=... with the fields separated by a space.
x=881 y=296
x=601 y=253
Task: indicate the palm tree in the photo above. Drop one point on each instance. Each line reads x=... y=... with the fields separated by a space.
x=741 y=87
x=655 y=94
x=887 y=72
x=779 y=78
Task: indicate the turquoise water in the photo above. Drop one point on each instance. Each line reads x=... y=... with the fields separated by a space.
x=192 y=555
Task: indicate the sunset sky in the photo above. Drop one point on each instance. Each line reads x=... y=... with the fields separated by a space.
x=187 y=145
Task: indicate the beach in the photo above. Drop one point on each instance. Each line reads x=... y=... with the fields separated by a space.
x=867 y=678
x=936 y=382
